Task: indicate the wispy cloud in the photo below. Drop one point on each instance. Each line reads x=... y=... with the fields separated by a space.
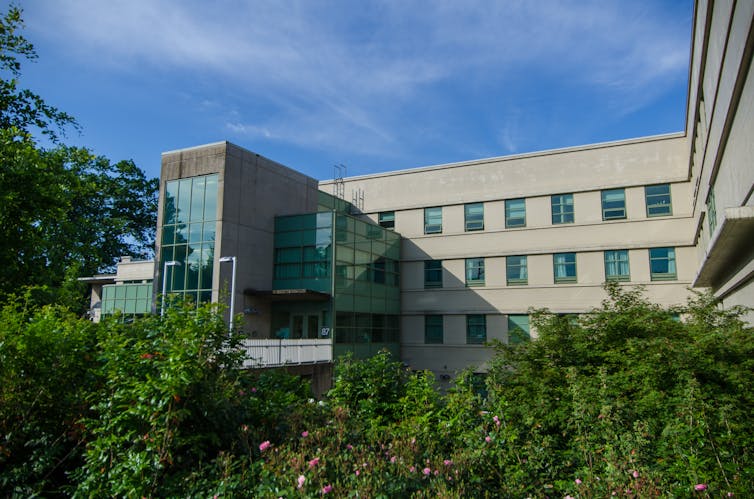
x=348 y=75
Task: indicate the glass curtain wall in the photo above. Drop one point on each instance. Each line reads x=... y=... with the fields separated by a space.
x=361 y=276
x=188 y=236
x=366 y=285
x=132 y=299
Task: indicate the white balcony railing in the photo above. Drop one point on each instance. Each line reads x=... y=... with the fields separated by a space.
x=273 y=353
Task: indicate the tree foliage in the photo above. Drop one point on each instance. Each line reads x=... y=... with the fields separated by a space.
x=22 y=109
x=66 y=212
x=626 y=401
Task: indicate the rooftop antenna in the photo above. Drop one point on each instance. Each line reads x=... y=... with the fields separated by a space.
x=339 y=187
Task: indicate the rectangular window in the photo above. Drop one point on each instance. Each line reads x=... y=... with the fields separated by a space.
x=616 y=266
x=564 y=267
x=515 y=213
x=474 y=216
x=518 y=328
x=516 y=271
x=432 y=273
x=662 y=264
x=711 y=213
x=475 y=271
x=387 y=219
x=476 y=329
x=433 y=330
x=613 y=204
x=658 y=200
x=433 y=220
x=562 y=209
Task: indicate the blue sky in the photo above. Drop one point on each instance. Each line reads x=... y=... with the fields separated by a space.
x=376 y=86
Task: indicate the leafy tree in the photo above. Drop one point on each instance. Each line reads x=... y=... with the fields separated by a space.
x=66 y=212
x=21 y=108
x=626 y=397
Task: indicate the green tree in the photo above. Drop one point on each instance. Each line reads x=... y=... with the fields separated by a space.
x=66 y=212
x=21 y=108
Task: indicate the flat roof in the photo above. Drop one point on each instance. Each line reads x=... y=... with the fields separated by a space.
x=510 y=157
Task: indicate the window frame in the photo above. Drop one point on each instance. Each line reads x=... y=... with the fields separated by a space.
x=428 y=284
x=513 y=206
x=670 y=257
x=389 y=219
x=606 y=210
x=562 y=207
x=567 y=278
x=657 y=198
x=430 y=216
x=476 y=321
x=431 y=329
x=471 y=265
x=473 y=222
x=711 y=212
x=516 y=281
x=609 y=260
x=517 y=338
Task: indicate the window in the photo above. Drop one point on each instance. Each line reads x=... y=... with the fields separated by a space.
x=474 y=216
x=616 y=266
x=515 y=270
x=662 y=264
x=433 y=220
x=562 y=209
x=515 y=213
x=658 y=200
x=475 y=271
x=387 y=219
x=564 y=267
x=711 y=213
x=613 y=204
x=433 y=329
x=432 y=273
x=476 y=329
x=518 y=328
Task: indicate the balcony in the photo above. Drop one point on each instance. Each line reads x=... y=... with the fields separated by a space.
x=276 y=353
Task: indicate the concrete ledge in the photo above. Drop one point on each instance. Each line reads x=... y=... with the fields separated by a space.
x=733 y=237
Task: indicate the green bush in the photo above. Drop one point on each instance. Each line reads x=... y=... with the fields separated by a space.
x=626 y=400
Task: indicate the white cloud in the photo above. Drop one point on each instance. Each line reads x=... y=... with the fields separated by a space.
x=339 y=73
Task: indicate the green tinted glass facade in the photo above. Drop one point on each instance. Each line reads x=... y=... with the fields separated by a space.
x=129 y=299
x=352 y=261
x=366 y=301
x=188 y=236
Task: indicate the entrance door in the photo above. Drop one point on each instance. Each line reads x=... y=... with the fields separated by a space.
x=312 y=327
x=305 y=326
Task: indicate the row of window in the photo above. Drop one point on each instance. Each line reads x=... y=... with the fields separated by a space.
x=661 y=264
x=476 y=329
x=657 y=199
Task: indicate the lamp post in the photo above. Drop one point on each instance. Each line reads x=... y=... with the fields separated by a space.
x=169 y=263
x=224 y=259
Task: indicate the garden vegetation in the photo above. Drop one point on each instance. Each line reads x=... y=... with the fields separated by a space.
x=626 y=401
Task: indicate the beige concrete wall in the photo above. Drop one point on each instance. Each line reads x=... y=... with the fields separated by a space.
x=134 y=271
x=252 y=190
x=722 y=122
x=622 y=164
x=584 y=172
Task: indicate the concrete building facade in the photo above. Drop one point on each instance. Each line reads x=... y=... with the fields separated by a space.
x=434 y=262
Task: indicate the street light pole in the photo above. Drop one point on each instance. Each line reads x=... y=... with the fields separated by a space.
x=169 y=263
x=224 y=259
